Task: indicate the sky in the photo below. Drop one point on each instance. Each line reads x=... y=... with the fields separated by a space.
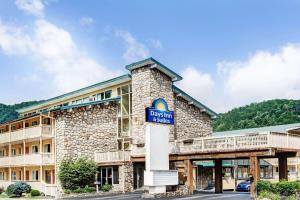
x=229 y=53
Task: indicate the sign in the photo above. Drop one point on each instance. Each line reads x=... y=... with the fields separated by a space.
x=159 y=112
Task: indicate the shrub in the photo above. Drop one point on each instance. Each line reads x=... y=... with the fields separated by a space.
x=106 y=187
x=88 y=189
x=10 y=189
x=1 y=190
x=67 y=191
x=265 y=186
x=79 y=190
x=268 y=195
x=75 y=174
x=18 y=189
x=286 y=188
x=35 y=193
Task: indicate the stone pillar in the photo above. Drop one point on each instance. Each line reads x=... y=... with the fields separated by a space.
x=189 y=173
x=218 y=176
x=255 y=172
x=283 y=169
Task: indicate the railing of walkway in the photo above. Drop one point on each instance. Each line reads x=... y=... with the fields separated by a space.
x=239 y=142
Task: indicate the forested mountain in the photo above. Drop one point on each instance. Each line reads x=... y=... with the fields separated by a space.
x=8 y=112
x=266 y=113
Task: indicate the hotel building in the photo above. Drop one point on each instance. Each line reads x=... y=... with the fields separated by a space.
x=106 y=122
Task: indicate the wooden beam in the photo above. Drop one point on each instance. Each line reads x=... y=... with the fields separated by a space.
x=189 y=174
x=255 y=173
x=283 y=170
x=218 y=176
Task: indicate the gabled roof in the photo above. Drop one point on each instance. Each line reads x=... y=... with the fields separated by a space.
x=154 y=64
x=194 y=102
x=279 y=128
x=85 y=90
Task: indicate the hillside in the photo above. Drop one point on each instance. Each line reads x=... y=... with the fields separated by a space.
x=266 y=113
x=8 y=112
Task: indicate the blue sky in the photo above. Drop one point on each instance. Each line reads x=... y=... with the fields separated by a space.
x=230 y=53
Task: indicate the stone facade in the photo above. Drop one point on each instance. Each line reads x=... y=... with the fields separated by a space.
x=147 y=85
x=190 y=122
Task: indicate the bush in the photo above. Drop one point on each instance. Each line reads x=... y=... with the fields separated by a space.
x=268 y=195
x=88 y=189
x=106 y=187
x=286 y=188
x=67 y=191
x=79 y=190
x=18 y=189
x=77 y=174
x=265 y=186
x=1 y=190
x=35 y=193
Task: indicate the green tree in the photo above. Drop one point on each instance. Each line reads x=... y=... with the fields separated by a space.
x=74 y=174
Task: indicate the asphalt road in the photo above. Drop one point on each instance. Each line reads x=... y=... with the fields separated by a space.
x=200 y=196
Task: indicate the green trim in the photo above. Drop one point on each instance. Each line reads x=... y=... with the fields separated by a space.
x=160 y=67
x=195 y=102
x=126 y=77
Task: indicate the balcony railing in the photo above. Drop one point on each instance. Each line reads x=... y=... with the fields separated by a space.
x=26 y=133
x=242 y=142
x=113 y=156
x=30 y=159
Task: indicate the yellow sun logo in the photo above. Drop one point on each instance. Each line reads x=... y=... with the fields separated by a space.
x=161 y=106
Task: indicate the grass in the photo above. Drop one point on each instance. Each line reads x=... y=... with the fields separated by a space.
x=3 y=195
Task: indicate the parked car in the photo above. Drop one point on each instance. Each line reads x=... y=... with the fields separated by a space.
x=243 y=186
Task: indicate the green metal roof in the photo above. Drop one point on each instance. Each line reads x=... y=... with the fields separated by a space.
x=81 y=91
x=195 y=102
x=278 y=128
x=159 y=66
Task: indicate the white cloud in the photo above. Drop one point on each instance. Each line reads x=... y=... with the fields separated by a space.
x=198 y=84
x=134 y=49
x=32 y=7
x=156 y=43
x=56 y=53
x=264 y=75
x=86 y=21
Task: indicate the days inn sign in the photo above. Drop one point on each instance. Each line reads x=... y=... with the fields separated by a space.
x=159 y=112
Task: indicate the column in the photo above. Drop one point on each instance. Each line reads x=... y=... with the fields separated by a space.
x=283 y=169
x=189 y=173
x=218 y=176
x=41 y=173
x=24 y=172
x=255 y=172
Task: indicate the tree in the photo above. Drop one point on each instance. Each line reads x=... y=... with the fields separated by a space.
x=74 y=174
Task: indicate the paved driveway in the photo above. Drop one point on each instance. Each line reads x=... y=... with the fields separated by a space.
x=200 y=196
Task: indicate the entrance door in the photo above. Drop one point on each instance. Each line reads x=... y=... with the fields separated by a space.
x=138 y=176
x=106 y=175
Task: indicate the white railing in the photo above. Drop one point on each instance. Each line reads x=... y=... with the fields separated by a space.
x=240 y=142
x=4 y=137
x=4 y=161
x=112 y=156
x=31 y=159
x=30 y=133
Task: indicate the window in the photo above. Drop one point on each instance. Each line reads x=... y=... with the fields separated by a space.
x=13 y=127
x=35 y=149
x=47 y=148
x=1 y=176
x=35 y=175
x=106 y=175
x=108 y=94
x=116 y=175
x=126 y=145
x=14 y=175
x=1 y=153
x=48 y=176
x=124 y=114
x=34 y=123
x=242 y=172
x=47 y=121
x=13 y=152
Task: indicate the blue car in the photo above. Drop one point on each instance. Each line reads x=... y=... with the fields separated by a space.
x=243 y=186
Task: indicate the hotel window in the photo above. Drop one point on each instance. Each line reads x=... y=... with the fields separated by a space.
x=35 y=149
x=1 y=176
x=109 y=175
x=1 y=153
x=242 y=172
x=13 y=127
x=14 y=175
x=47 y=148
x=13 y=152
x=35 y=175
x=124 y=120
x=125 y=144
x=34 y=123
x=108 y=94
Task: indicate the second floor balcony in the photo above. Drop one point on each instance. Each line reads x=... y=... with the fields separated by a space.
x=28 y=159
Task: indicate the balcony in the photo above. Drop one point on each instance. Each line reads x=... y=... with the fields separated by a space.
x=114 y=156
x=30 y=133
x=30 y=159
x=4 y=137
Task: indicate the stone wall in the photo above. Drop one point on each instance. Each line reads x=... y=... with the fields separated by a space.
x=147 y=85
x=190 y=122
